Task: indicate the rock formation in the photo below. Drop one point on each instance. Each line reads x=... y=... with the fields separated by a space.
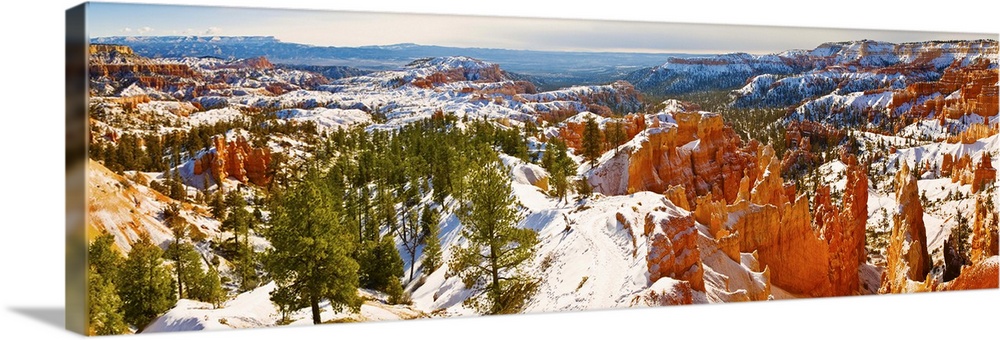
x=106 y=48
x=975 y=132
x=844 y=228
x=666 y=292
x=711 y=213
x=678 y=197
x=963 y=170
x=258 y=63
x=947 y=163
x=953 y=259
x=907 y=259
x=236 y=159
x=983 y=275
x=984 y=174
x=816 y=255
x=673 y=248
x=785 y=242
x=984 y=230
x=962 y=89
x=669 y=156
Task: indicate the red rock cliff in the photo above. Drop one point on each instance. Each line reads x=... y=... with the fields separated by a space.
x=236 y=159
x=673 y=250
x=907 y=259
x=700 y=154
x=975 y=86
x=984 y=231
x=844 y=228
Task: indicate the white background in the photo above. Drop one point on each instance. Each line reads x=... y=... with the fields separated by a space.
x=32 y=180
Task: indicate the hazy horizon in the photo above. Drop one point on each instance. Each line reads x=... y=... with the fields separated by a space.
x=327 y=28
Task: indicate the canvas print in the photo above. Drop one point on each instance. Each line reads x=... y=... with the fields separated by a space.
x=263 y=167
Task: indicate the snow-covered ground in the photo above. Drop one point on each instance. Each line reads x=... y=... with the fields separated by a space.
x=940 y=212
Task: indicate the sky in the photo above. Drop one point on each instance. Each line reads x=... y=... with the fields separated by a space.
x=333 y=28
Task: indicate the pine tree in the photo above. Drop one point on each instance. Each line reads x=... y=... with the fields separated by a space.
x=179 y=226
x=429 y=220
x=385 y=211
x=154 y=150
x=238 y=221
x=583 y=188
x=145 y=285
x=379 y=263
x=103 y=303
x=409 y=234
x=615 y=132
x=962 y=232
x=208 y=288
x=591 y=141
x=312 y=246
x=217 y=205
x=103 y=258
x=559 y=165
x=188 y=269
x=496 y=246
x=103 y=306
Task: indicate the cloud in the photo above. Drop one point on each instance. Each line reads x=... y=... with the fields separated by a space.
x=144 y=30
x=127 y=30
x=213 y=30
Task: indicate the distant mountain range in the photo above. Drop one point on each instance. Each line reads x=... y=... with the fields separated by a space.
x=547 y=68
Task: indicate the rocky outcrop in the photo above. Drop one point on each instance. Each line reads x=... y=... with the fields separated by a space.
x=235 y=159
x=666 y=292
x=729 y=243
x=800 y=137
x=984 y=231
x=107 y=48
x=984 y=174
x=963 y=170
x=258 y=63
x=781 y=233
x=131 y=70
x=962 y=89
x=452 y=69
x=673 y=248
x=678 y=197
x=844 y=228
x=975 y=132
x=711 y=213
x=947 y=163
x=809 y=254
x=982 y=275
x=907 y=258
x=785 y=242
x=953 y=258
x=700 y=154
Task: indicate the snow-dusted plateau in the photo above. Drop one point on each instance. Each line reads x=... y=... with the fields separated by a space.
x=438 y=186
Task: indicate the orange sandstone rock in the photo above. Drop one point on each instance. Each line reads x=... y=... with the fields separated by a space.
x=673 y=249
x=236 y=159
x=678 y=197
x=667 y=292
x=983 y=275
x=700 y=154
x=984 y=174
x=984 y=231
x=907 y=258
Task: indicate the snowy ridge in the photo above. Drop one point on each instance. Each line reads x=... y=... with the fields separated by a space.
x=843 y=110
x=327 y=119
x=854 y=66
x=773 y=91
